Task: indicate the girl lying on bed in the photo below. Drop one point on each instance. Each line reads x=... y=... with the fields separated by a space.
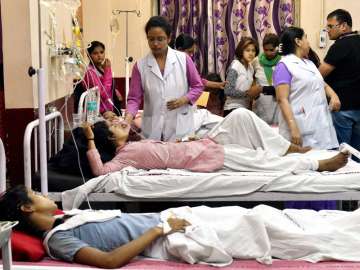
x=240 y=142
x=110 y=239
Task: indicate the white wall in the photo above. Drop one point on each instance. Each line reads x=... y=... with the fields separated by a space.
x=17 y=53
x=96 y=25
x=21 y=49
x=313 y=15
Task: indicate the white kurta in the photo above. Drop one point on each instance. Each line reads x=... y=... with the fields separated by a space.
x=309 y=105
x=250 y=144
x=243 y=83
x=158 y=122
x=265 y=105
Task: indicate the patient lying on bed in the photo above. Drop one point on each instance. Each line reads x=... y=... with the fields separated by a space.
x=240 y=142
x=110 y=239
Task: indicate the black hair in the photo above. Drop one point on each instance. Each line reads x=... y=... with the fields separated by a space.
x=104 y=138
x=94 y=44
x=184 y=42
x=272 y=39
x=342 y=16
x=214 y=77
x=158 y=21
x=10 y=209
x=313 y=57
x=244 y=42
x=287 y=39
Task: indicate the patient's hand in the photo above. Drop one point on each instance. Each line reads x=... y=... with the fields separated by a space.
x=188 y=138
x=177 y=224
x=88 y=131
x=193 y=138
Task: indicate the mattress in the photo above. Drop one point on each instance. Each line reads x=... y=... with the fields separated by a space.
x=185 y=185
x=149 y=264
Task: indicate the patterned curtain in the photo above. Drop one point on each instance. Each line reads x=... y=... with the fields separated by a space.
x=218 y=25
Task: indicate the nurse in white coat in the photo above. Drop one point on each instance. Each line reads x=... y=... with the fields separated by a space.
x=167 y=82
x=301 y=93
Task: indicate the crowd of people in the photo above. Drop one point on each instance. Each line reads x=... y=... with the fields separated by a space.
x=283 y=84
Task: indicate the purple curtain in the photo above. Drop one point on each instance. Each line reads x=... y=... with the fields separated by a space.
x=218 y=25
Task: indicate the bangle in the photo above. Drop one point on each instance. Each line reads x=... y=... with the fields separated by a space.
x=91 y=139
x=165 y=227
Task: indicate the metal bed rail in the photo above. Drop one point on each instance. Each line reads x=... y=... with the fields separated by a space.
x=257 y=196
x=82 y=107
x=54 y=138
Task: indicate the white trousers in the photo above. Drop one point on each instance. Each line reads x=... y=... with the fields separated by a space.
x=250 y=144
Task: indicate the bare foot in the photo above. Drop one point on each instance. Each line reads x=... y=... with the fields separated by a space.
x=334 y=163
x=294 y=148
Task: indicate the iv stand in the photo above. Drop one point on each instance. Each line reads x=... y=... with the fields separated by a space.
x=128 y=59
x=41 y=111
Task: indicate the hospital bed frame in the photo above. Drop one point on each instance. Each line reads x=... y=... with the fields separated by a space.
x=82 y=108
x=55 y=139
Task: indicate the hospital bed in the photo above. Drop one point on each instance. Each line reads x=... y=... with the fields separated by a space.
x=144 y=263
x=323 y=186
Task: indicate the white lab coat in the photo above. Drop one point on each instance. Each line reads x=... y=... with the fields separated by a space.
x=309 y=105
x=158 y=122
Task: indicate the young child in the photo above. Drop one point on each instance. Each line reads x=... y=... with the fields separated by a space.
x=240 y=142
x=266 y=106
x=99 y=74
x=241 y=89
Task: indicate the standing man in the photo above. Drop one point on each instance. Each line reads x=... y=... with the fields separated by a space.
x=341 y=70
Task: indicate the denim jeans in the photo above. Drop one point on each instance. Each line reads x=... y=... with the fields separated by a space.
x=347 y=126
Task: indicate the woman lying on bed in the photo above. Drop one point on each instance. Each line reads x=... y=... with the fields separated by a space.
x=240 y=142
x=110 y=239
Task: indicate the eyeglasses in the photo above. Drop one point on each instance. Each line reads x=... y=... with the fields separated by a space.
x=331 y=26
x=156 y=39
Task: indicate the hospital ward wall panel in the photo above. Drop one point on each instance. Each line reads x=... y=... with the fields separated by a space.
x=17 y=53
x=115 y=42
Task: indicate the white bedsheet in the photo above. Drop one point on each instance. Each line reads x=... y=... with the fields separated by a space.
x=265 y=232
x=184 y=184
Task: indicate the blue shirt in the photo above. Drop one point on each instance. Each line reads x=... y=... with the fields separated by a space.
x=106 y=235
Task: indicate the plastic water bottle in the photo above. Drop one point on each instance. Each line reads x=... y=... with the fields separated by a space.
x=92 y=105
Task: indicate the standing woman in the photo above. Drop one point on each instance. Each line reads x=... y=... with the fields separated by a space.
x=185 y=43
x=266 y=106
x=212 y=83
x=240 y=89
x=168 y=83
x=301 y=93
x=99 y=74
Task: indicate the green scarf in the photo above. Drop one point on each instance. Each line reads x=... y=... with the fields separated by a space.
x=268 y=66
